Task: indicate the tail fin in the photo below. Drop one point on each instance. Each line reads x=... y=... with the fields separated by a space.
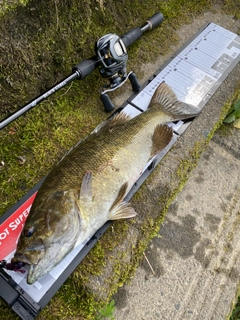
x=165 y=99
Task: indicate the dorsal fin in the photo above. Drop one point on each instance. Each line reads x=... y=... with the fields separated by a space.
x=166 y=100
x=106 y=125
x=109 y=124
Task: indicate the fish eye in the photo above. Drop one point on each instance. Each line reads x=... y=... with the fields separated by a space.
x=28 y=232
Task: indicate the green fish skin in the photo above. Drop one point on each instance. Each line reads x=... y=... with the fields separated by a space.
x=88 y=186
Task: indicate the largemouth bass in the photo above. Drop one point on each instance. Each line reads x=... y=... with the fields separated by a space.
x=88 y=186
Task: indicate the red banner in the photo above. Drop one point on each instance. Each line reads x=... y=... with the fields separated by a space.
x=11 y=228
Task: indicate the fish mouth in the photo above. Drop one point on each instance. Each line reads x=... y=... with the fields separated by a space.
x=31 y=278
x=18 y=258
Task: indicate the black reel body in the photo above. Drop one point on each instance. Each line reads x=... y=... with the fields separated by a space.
x=111 y=59
x=112 y=54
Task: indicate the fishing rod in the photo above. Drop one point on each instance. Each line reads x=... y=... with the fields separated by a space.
x=111 y=59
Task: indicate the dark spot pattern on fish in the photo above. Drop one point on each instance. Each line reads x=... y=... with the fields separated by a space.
x=87 y=187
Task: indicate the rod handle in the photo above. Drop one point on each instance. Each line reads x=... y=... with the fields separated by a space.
x=134 y=34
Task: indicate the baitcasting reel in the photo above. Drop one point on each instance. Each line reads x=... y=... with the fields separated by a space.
x=111 y=59
x=112 y=54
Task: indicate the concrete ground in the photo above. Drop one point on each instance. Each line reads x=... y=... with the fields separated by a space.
x=192 y=270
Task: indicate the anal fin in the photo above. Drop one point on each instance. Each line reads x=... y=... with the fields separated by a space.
x=121 y=209
x=161 y=137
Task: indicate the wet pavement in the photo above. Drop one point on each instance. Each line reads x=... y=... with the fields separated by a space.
x=192 y=269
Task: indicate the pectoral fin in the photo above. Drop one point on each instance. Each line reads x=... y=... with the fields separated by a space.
x=86 y=188
x=161 y=137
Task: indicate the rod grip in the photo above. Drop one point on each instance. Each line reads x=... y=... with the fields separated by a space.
x=85 y=67
x=131 y=36
x=155 y=20
x=134 y=34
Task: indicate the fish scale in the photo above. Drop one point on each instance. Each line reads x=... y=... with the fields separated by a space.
x=88 y=186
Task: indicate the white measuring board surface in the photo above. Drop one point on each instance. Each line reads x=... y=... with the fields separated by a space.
x=198 y=70
x=37 y=290
x=194 y=74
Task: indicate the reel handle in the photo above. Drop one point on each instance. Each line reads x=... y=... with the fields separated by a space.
x=108 y=105
x=134 y=34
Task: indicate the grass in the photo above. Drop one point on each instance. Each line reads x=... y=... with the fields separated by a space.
x=107 y=312
x=232 y=116
x=236 y=311
x=42 y=46
x=45 y=133
x=43 y=137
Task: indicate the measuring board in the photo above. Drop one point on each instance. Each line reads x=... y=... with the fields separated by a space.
x=195 y=72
